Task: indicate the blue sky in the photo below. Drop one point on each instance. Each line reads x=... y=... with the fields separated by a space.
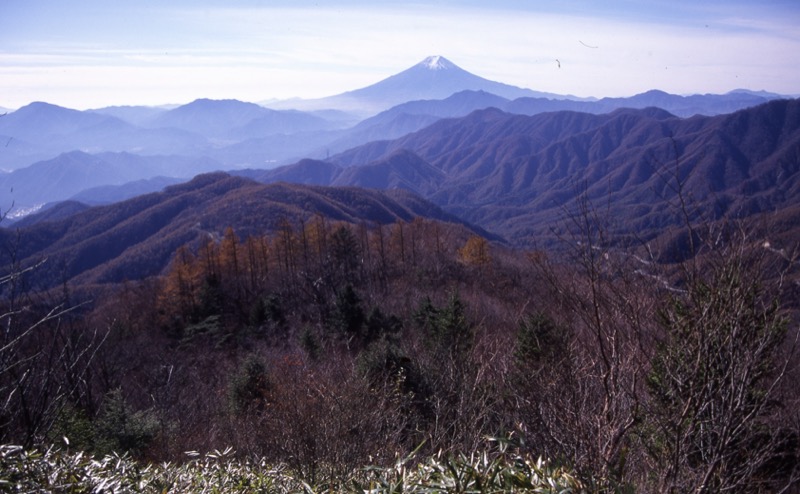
x=91 y=53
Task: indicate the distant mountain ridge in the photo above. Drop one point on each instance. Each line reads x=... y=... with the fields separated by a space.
x=682 y=106
x=236 y=120
x=42 y=131
x=71 y=173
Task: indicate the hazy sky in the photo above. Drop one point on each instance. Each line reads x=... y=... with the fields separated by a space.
x=92 y=53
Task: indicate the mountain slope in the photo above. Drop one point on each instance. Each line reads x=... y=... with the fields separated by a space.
x=39 y=121
x=137 y=237
x=412 y=116
x=136 y=115
x=519 y=176
x=221 y=129
x=416 y=115
x=70 y=173
x=42 y=131
x=209 y=118
x=29 y=133
x=401 y=170
x=236 y=120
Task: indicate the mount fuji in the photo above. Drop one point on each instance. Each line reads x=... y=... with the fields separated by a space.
x=433 y=78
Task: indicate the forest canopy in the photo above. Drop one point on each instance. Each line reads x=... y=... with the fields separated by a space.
x=326 y=347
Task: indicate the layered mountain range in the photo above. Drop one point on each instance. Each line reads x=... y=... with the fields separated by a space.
x=441 y=142
x=230 y=134
x=518 y=175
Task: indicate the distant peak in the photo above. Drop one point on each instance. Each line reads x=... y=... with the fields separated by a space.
x=436 y=63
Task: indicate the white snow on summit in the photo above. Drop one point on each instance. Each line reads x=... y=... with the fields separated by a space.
x=435 y=63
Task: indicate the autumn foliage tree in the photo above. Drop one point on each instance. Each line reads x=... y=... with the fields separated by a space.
x=475 y=252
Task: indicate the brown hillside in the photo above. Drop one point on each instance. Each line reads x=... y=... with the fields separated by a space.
x=519 y=176
x=136 y=238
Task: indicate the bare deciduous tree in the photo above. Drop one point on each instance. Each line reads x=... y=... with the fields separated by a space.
x=717 y=420
x=44 y=360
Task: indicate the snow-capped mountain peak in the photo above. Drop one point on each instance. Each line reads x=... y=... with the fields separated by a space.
x=433 y=78
x=436 y=63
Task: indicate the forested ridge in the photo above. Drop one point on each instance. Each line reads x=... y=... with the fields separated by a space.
x=321 y=347
x=514 y=174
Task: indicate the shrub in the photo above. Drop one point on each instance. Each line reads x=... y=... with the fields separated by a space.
x=120 y=429
x=249 y=386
